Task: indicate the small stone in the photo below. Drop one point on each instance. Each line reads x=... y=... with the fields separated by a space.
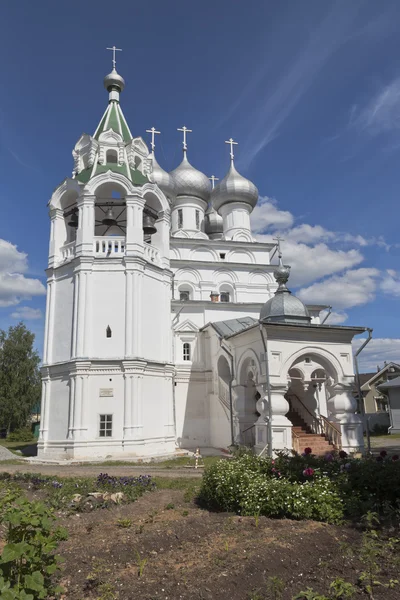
x=118 y=497
x=76 y=498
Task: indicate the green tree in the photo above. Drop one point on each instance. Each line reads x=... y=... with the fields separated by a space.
x=20 y=385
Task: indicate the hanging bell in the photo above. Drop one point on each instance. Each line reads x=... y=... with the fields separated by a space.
x=73 y=222
x=109 y=220
x=148 y=224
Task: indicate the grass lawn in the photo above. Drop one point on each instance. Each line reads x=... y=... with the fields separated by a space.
x=27 y=448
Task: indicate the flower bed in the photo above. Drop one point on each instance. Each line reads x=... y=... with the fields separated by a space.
x=303 y=486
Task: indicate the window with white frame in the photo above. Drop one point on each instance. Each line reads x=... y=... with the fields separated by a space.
x=224 y=297
x=180 y=218
x=186 y=351
x=105 y=426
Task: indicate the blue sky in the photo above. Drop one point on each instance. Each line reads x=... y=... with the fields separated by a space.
x=311 y=91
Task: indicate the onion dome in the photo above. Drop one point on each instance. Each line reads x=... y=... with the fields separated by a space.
x=190 y=182
x=114 y=81
x=213 y=224
x=163 y=179
x=234 y=188
x=283 y=307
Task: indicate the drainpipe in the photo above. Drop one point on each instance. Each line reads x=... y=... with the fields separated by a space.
x=229 y=353
x=361 y=399
x=173 y=362
x=265 y=344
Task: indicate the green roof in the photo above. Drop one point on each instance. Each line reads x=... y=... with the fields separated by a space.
x=114 y=119
x=136 y=177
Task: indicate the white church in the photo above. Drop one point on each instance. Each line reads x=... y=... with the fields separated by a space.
x=168 y=326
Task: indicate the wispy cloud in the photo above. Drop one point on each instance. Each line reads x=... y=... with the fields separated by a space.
x=276 y=100
x=381 y=114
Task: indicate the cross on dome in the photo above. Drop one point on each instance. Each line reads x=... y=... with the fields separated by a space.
x=114 y=49
x=185 y=130
x=278 y=241
x=153 y=132
x=232 y=143
x=213 y=179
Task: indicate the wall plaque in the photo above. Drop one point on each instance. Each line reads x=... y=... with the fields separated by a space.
x=106 y=392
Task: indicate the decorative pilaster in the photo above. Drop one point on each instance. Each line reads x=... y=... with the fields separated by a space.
x=45 y=406
x=58 y=236
x=169 y=427
x=49 y=325
x=342 y=407
x=133 y=418
x=133 y=306
x=134 y=224
x=79 y=394
x=85 y=232
x=82 y=308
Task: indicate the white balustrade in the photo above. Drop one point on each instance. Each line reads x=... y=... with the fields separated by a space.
x=109 y=246
x=67 y=252
x=152 y=254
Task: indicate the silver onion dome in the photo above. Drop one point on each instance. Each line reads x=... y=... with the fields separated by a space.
x=164 y=180
x=190 y=182
x=234 y=188
x=283 y=307
x=114 y=81
x=213 y=224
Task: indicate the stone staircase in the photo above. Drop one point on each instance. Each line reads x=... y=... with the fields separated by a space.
x=305 y=438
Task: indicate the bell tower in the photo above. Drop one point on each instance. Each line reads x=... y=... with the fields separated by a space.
x=107 y=363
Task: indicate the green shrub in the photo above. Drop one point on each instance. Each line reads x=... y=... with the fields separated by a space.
x=303 y=486
x=28 y=562
x=21 y=435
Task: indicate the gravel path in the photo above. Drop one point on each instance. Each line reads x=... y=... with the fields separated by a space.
x=93 y=471
x=5 y=454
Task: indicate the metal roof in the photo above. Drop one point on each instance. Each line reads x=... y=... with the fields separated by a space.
x=390 y=384
x=232 y=326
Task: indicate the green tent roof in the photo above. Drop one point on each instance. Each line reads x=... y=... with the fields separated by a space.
x=114 y=119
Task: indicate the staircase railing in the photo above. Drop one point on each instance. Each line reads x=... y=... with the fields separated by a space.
x=311 y=420
x=318 y=424
x=296 y=442
x=332 y=433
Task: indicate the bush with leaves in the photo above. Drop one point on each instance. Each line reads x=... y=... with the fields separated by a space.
x=28 y=562
x=304 y=486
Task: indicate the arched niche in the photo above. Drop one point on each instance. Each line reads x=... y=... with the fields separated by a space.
x=110 y=206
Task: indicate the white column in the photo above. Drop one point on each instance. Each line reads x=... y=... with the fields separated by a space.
x=58 y=235
x=49 y=325
x=137 y=412
x=75 y=315
x=128 y=313
x=169 y=427
x=137 y=313
x=85 y=232
x=236 y=221
x=78 y=406
x=161 y=239
x=342 y=407
x=71 y=407
x=128 y=386
x=134 y=224
x=87 y=336
x=45 y=407
x=81 y=312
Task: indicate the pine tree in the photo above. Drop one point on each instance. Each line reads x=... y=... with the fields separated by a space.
x=20 y=384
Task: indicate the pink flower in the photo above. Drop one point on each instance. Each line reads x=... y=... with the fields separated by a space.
x=343 y=454
x=309 y=472
x=307 y=451
x=383 y=453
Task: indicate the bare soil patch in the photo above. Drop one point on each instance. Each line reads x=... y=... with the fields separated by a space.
x=169 y=548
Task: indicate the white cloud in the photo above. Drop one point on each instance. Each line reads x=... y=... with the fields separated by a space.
x=14 y=285
x=353 y=288
x=335 y=318
x=266 y=215
x=381 y=114
x=26 y=313
x=390 y=283
x=377 y=351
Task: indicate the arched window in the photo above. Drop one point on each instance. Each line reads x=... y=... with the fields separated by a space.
x=180 y=218
x=112 y=156
x=225 y=297
x=186 y=351
x=108 y=331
